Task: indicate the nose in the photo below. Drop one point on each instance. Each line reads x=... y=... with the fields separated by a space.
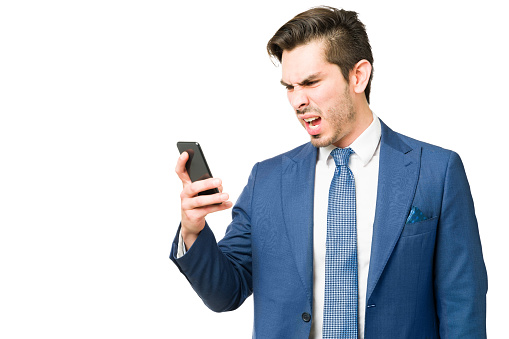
x=298 y=99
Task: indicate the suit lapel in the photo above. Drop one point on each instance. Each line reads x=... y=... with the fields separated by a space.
x=397 y=181
x=298 y=178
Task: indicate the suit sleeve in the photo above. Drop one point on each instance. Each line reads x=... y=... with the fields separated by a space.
x=460 y=274
x=221 y=274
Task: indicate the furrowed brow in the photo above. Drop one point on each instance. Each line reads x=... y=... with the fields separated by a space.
x=309 y=79
x=305 y=82
x=284 y=83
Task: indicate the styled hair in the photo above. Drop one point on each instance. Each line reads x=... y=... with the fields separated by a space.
x=344 y=35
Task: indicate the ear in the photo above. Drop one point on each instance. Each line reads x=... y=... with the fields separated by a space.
x=359 y=76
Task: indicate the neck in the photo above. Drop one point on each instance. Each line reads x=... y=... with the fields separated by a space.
x=363 y=118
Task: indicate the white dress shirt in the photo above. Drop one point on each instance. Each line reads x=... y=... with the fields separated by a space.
x=364 y=166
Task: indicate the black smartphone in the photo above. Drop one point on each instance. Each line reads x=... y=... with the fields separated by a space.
x=196 y=165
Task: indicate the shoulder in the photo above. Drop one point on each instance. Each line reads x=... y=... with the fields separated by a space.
x=434 y=155
x=429 y=152
x=300 y=153
x=438 y=163
x=272 y=169
x=426 y=147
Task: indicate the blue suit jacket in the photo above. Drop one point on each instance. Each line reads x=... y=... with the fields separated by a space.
x=426 y=279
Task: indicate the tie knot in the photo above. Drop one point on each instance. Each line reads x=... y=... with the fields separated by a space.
x=341 y=156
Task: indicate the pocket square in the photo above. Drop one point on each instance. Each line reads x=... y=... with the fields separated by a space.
x=415 y=215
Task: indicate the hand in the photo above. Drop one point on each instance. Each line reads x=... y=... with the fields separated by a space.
x=194 y=208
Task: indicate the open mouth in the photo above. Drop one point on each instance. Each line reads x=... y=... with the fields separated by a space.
x=313 y=122
x=313 y=125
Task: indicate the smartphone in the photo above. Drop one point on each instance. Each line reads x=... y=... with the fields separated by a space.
x=196 y=165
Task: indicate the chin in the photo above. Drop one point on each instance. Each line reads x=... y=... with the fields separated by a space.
x=320 y=141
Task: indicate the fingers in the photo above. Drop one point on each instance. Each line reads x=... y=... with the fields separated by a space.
x=180 y=169
x=199 y=186
x=198 y=208
x=195 y=209
x=191 y=190
x=193 y=220
x=200 y=201
x=216 y=208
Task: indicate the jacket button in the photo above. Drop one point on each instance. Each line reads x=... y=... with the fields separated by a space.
x=306 y=317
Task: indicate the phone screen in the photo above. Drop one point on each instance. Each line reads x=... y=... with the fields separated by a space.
x=196 y=165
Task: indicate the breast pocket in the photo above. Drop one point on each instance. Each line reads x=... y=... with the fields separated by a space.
x=420 y=227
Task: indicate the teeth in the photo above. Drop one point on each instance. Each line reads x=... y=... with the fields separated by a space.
x=310 y=121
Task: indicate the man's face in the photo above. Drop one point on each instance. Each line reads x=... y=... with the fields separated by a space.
x=319 y=94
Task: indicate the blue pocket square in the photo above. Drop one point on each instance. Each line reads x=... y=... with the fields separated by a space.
x=415 y=215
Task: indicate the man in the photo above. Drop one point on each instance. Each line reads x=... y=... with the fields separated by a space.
x=362 y=232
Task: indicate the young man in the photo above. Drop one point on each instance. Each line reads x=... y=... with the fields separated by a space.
x=362 y=232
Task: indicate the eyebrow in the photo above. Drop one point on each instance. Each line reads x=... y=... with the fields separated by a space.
x=304 y=82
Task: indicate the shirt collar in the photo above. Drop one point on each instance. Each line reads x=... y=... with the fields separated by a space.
x=364 y=146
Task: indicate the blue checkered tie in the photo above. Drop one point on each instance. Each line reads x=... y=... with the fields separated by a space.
x=340 y=304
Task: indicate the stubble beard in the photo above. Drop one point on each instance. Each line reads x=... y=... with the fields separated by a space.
x=340 y=119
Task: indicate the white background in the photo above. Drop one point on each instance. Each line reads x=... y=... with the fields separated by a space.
x=95 y=94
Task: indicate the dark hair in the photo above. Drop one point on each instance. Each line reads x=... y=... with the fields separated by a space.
x=345 y=37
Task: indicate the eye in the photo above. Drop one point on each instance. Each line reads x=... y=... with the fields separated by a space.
x=289 y=87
